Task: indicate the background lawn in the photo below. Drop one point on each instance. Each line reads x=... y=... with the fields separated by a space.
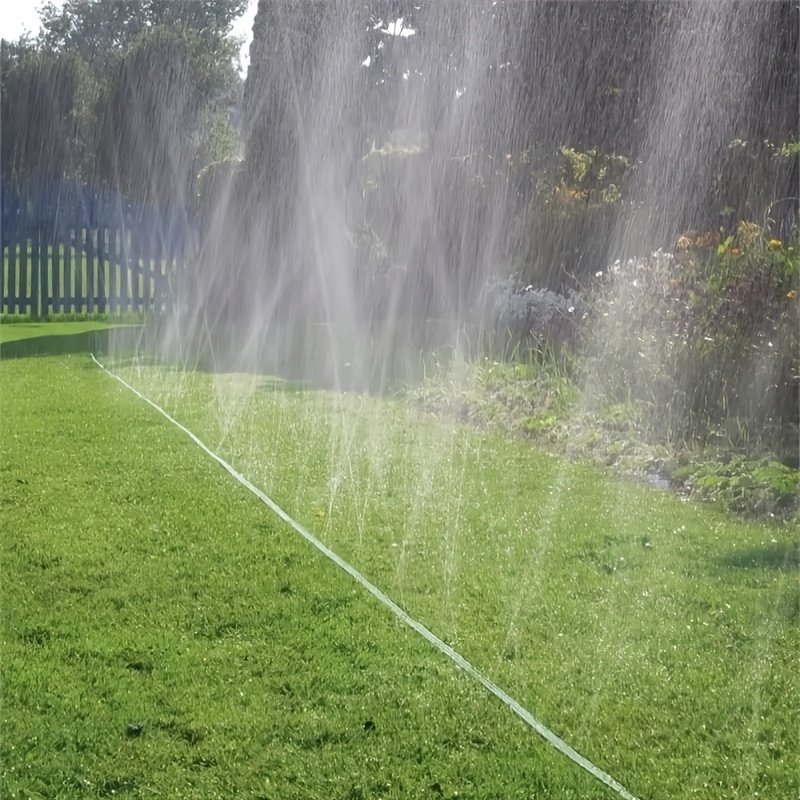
x=29 y=330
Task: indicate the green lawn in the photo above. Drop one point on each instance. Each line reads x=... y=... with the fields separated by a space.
x=660 y=638
x=164 y=633
x=29 y=330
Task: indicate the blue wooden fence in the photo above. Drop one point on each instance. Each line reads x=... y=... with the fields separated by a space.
x=76 y=249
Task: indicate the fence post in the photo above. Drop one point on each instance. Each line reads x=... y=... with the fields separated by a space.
x=136 y=253
x=157 y=271
x=124 y=271
x=69 y=291
x=113 y=265
x=22 y=291
x=79 y=267
x=90 y=284
x=12 y=277
x=44 y=273
x=57 y=280
x=101 y=269
x=33 y=272
x=3 y=278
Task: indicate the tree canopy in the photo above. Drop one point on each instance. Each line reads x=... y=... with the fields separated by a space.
x=136 y=94
x=100 y=30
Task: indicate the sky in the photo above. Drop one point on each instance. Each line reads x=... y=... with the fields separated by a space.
x=19 y=16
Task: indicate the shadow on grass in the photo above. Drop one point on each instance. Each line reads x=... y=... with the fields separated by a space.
x=783 y=556
x=124 y=339
x=127 y=346
x=263 y=382
x=274 y=384
x=301 y=359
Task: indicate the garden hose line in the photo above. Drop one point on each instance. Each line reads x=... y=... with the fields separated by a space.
x=543 y=731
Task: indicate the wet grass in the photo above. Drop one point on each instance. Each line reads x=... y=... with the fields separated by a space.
x=536 y=395
x=163 y=633
x=658 y=637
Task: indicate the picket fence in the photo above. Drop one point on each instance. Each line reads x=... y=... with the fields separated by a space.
x=77 y=249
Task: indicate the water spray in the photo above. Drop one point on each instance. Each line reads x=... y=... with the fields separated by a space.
x=551 y=738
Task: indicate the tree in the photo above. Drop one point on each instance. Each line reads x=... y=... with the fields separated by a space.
x=149 y=135
x=666 y=86
x=102 y=30
x=44 y=113
x=136 y=94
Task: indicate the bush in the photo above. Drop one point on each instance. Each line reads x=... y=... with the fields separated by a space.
x=517 y=314
x=573 y=210
x=706 y=343
x=748 y=487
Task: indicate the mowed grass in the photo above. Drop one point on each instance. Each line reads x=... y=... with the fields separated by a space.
x=29 y=330
x=163 y=634
x=659 y=638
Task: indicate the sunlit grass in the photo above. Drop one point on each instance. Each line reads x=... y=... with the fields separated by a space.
x=163 y=633
x=27 y=330
x=658 y=637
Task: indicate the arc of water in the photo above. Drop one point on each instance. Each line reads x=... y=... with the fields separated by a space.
x=557 y=742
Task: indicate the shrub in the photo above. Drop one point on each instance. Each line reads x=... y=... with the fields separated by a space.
x=705 y=344
x=573 y=212
x=517 y=314
x=744 y=486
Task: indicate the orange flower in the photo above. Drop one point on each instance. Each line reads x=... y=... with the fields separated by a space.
x=791 y=295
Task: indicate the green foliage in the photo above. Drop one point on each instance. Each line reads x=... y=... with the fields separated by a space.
x=135 y=94
x=745 y=177
x=787 y=149
x=101 y=31
x=393 y=247
x=591 y=169
x=571 y=216
x=540 y=423
x=745 y=486
x=704 y=340
x=376 y=274
x=531 y=391
x=152 y=137
x=46 y=102
x=219 y=138
x=779 y=150
x=566 y=207
x=216 y=185
x=668 y=383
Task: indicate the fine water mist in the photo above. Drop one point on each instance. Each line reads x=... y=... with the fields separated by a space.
x=417 y=185
x=377 y=200
x=446 y=322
